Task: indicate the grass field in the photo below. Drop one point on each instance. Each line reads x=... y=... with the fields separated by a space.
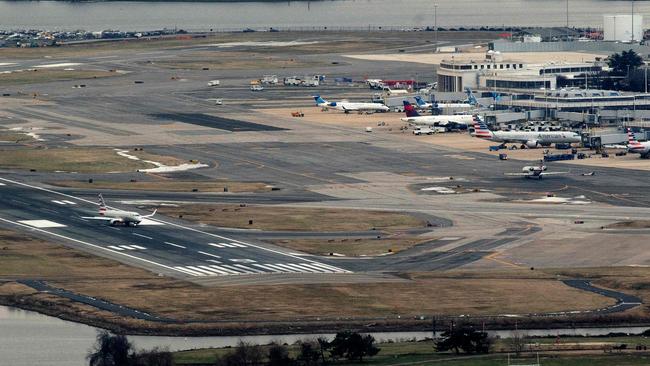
x=82 y=160
x=44 y=76
x=293 y=218
x=15 y=137
x=219 y=60
x=631 y=280
x=170 y=186
x=427 y=293
x=351 y=247
x=422 y=353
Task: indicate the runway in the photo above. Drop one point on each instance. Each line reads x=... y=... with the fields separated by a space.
x=162 y=246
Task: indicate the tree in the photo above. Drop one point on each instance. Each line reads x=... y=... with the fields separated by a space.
x=517 y=342
x=154 y=357
x=466 y=339
x=353 y=346
x=310 y=353
x=625 y=62
x=324 y=346
x=110 y=350
x=279 y=356
x=245 y=354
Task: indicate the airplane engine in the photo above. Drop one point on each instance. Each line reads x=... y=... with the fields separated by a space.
x=532 y=144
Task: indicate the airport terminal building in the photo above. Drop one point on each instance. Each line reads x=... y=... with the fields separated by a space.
x=495 y=73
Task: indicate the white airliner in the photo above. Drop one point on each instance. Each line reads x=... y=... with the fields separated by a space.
x=413 y=117
x=348 y=107
x=470 y=103
x=636 y=147
x=534 y=171
x=115 y=217
x=529 y=138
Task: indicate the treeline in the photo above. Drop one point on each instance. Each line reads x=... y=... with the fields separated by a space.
x=116 y=350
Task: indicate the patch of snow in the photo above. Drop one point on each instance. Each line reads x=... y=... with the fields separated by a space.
x=441 y=190
x=175 y=168
x=262 y=44
x=160 y=167
x=63 y=64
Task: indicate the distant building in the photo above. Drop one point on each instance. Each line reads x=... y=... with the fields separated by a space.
x=493 y=72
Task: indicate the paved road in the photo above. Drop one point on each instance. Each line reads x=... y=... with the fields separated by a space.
x=623 y=301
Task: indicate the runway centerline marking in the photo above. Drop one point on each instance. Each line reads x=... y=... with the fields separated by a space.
x=209 y=254
x=175 y=245
x=143 y=236
x=162 y=222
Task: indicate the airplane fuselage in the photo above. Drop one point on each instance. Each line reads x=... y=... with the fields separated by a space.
x=541 y=138
x=124 y=217
x=442 y=120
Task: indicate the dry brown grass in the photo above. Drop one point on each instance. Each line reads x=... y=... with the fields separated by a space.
x=638 y=224
x=630 y=280
x=426 y=293
x=82 y=160
x=170 y=186
x=44 y=76
x=219 y=60
x=16 y=137
x=350 y=247
x=293 y=218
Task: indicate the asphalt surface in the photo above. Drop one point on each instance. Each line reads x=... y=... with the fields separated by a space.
x=162 y=246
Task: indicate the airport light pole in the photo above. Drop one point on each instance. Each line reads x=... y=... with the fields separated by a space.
x=435 y=23
x=567 y=20
x=632 y=33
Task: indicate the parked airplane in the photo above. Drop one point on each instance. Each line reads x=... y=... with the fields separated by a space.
x=634 y=146
x=471 y=102
x=530 y=139
x=413 y=117
x=534 y=171
x=115 y=217
x=348 y=107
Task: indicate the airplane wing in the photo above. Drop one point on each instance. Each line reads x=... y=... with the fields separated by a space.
x=150 y=215
x=518 y=174
x=553 y=173
x=104 y=218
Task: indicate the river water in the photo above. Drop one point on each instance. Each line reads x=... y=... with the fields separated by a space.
x=31 y=339
x=136 y=16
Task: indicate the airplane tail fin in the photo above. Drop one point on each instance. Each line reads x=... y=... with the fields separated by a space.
x=410 y=110
x=319 y=100
x=480 y=129
x=102 y=204
x=421 y=103
x=632 y=143
x=471 y=98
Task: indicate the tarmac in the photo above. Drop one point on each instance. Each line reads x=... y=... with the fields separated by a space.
x=494 y=220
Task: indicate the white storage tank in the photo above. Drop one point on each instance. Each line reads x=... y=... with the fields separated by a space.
x=623 y=27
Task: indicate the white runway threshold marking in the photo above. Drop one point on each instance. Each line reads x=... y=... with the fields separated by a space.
x=148 y=222
x=240 y=269
x=41 y=224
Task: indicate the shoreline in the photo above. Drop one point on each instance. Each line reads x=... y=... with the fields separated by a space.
x=126 y=326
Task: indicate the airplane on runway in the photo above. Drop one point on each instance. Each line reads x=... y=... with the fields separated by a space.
x=534 y=171
x=115 y=217
x=348 y=107
x=413 y=117
x=636 y=147
x=530 y=139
